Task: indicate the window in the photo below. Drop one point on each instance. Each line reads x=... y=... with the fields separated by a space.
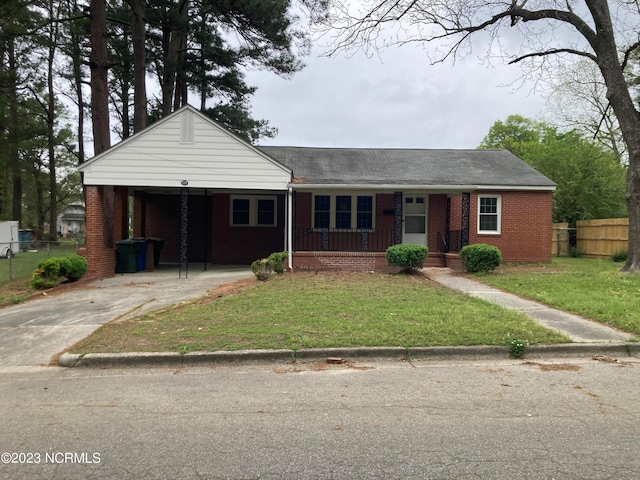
x=365 y=211
x=337 y=211
x=253 y=211
x=266 y=211
x=322 y=211
x=241 y=211
x=343 y=211
x=489 y=213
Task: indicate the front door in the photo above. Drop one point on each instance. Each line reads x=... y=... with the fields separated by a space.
x=414 y=220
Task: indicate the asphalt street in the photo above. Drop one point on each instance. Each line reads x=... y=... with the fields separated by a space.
x=499 y=419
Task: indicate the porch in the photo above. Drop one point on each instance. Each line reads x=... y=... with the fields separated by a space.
x=363 y=249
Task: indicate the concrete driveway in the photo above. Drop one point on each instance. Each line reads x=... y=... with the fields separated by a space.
x=31 y=333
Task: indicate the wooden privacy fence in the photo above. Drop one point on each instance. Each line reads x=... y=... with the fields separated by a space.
x=594 y=238
x=602 y=238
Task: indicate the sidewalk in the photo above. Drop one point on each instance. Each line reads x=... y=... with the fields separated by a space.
x=578 y=329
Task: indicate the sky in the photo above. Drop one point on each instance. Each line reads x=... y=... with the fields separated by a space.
x=393 y=100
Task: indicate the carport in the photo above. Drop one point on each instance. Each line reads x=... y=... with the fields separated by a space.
x=212 y=197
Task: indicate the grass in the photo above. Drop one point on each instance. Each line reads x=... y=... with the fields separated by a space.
x=15 y=273
x=594 y=289
x=305 y=310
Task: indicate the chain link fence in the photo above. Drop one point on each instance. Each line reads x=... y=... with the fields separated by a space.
x=19 y=259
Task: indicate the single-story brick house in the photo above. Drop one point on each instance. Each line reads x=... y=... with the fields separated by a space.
x=214 y=198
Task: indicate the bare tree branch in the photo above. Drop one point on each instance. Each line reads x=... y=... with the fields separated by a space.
x=555 y=51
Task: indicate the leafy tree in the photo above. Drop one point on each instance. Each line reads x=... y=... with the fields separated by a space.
x=16 y=73
x=578 y=100
x=548 y=29
x=74 y=64
x=30 y=103
x=200 y=47
x=591 y=181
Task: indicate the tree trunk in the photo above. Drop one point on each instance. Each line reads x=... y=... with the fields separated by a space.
x=98 y=62
x=51 y=140
x=12 y=134
x=40 y=209
x=620 y=98
x=172 y=56
x=138 y=37
x=76 y=59
x=99 y=65
x=180 y=94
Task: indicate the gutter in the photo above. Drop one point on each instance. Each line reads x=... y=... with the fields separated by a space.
x=421 y=188
x=378 y=187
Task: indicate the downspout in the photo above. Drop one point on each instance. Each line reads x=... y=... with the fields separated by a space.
x=290 y=228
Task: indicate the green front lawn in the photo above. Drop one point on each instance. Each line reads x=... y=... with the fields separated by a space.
x=305 y=310
x=24 y=263
x=15 y=273
x=594 y=289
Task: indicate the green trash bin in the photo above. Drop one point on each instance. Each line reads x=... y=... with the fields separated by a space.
x=127 y=256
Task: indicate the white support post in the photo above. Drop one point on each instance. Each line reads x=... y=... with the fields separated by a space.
x=290 y=228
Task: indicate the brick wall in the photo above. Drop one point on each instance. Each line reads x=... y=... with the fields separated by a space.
x=242 y=245
x=351 y=261
x=525 y=228
x=302 y=211
x=101 y=260
x=437 y=218
x=210 y=237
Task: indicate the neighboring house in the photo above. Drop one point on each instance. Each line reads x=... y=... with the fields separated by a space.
x=71 y=219
x=214 y=198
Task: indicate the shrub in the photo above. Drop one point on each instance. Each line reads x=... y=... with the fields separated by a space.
x=619 y=256
x=49 y=271
x=40 y=280
x=262 y=268
x=73 y=267
x=406 y=256
x=480 y=257
x=277 y=259
x=47 y=274
x=575 y=252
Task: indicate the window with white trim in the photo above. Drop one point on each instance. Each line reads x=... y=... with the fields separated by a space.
x=343 y=211
x=253 y=211
x=489 y=213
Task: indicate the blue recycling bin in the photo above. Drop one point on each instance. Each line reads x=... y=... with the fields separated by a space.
x=25 y=237
x=141 y=253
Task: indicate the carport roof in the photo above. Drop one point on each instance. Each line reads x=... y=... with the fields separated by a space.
x=479 y=169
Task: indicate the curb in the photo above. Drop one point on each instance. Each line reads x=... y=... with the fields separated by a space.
x=481 y=352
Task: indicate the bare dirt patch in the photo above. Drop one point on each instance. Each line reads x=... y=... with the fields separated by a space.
x=554 y=367
x=322 y=366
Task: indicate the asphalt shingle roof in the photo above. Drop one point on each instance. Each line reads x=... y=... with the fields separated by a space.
x=374 y=166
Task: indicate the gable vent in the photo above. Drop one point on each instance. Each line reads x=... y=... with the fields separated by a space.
x=186 y=127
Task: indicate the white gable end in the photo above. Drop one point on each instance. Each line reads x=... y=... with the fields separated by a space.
x=186 y=146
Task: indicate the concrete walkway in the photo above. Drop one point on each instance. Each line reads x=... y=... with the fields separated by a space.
x=577 y=328
x=32 y=332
